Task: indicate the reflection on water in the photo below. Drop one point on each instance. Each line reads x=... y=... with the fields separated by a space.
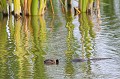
x=25 y=44
x=69 y=69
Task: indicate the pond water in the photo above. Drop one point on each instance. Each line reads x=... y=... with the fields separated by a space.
x=25 y=43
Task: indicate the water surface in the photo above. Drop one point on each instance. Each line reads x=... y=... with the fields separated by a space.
x=27 y=42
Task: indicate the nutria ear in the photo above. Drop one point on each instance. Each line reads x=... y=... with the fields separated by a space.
x=57 y=61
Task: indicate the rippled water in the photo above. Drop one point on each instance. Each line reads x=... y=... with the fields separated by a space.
x=27 y=42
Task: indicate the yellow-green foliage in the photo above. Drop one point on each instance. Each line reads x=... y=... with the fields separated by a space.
x=37 y=7
x=42 y=6
x=3 y=6
x=34 y=8
x=84 y=5
x=29 y=6
x=0 y=6
x=17 y=7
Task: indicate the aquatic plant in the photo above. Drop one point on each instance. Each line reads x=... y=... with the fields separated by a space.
x=38 y=7
x=86 y=5
x=3 y=5
x=17 y=7
x=34 y=9
x=42 y=7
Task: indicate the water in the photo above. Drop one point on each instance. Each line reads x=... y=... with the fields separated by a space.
x=27 y=42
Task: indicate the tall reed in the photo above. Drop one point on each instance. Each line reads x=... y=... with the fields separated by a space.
x=38 y=7
x=83 y=5
x=17 y=7
x=29 y=6
x=3 y=6
x=34 y=7
x=42 y=7
x=86 y=5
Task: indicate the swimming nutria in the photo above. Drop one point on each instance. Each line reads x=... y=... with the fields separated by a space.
x=82 y=60
x=51 y=62
x=56 y=61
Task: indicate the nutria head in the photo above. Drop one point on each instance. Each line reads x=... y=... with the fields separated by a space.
x=51 y=62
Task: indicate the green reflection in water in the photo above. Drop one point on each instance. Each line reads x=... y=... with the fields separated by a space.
x=22 y=43
x=109 y=12
x=3 y=51
x=39 y=34
x=10 y=48
x=108 y=9
x=87 y=33
x=69 y=69
x=23 y=63
x=6 y=50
